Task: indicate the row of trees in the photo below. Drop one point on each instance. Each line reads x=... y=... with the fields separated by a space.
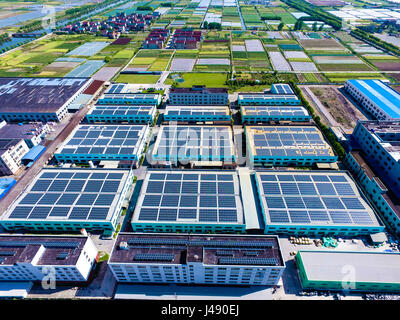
x=315 y=13
x=325 y=130
x=212 y=25
x=357 y=32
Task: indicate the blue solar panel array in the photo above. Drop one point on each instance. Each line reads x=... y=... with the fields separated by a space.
x=68 y=194
x=198 y=143
x=288 y=142
x=312 y=199
x=183 y=196
x=105 y=139
x=122 y=110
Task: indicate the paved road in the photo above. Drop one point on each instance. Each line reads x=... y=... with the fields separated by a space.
x=41 y=162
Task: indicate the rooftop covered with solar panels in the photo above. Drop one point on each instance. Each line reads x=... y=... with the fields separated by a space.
x=57 y=195
x=150 y=98
x=208 y=249
x=191 y=196
x=313 y=198
x=123 y=110
x=104 y=140
x=274 y=111
x=287 y=141
x=59 y=250
x=196 y=110
x=194 y=143
x=37 y=95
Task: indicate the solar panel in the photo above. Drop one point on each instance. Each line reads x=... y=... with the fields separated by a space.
x=154 y=257
x=340 y=217
x=248 y=261
x=79 y=213
x=148 y=214
x=187 y=214
x=98 y=213
x=167 y=214
x=59 y=212
x=299 y=216
x=39 y=212
x=352 y=203
x=227 y=215
x=208 y=215
x=279 y=216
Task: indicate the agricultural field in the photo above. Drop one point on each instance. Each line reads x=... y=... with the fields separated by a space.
x=151 y=60
x=191 y=79
x=137 y=78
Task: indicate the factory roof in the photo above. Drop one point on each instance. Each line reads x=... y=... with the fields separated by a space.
x=70 y=194
x=367 y=266
x=313 y=198
x=59 y=250
x=191 y=196
x=208 y=249
x=386 y=98
x=37 y=95
x=287 y=141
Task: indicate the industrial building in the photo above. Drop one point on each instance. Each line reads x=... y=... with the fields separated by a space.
x=257 y=114
x=195 y=114
x=38 y=99
x=231 y=260
x=363 y=271
x=11 y=153
x=198 y=95
x=186 y=144
x=314 y=203
x=375 y=96
x=189 y=201
x=124 y=113
x=67 y=200
x=104 y=142
x=5 y=185
x=32 y=133
x=287 y=146
x=130 y=99
x=31 y=258
x=374 y=162
x=281 y=94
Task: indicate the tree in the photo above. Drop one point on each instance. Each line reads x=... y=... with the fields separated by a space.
x=205 y=25
x=280 y=26
x=315 y=26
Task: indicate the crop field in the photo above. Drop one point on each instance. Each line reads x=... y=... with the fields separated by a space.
x=191 y=79
x=322 y=45
x=152 y=60
x=342 y=77
x=137 y=78
x=36 y=58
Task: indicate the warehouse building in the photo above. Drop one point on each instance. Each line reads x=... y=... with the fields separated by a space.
x=287 y=146
x=363 y=271
x=130 y=99
x=231 y=260
x=281 y=94
x=256 y=114
x=195 y=114
x=186 y=144
x=374 y=162
x=314 y=203
x=189 y=201
x=67 y=200
x=104 y=142
x=32 y=258
x=32 y=133
x=11 y=154
x=376 y=97
x=124 y=113
x=198 y=95
x=38 y=99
